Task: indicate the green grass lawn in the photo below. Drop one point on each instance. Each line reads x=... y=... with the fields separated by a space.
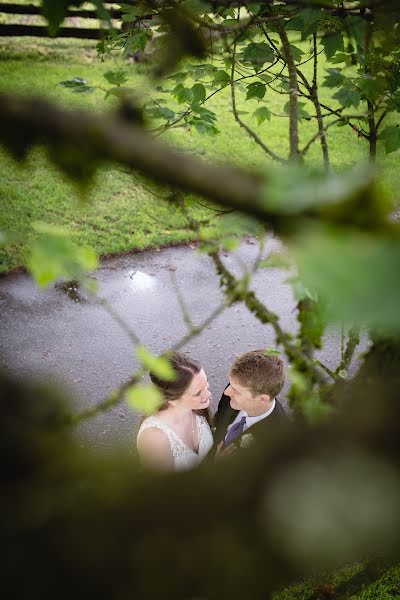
x=356 y=581
x=120 y=213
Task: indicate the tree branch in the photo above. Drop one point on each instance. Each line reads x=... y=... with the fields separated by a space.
x=251 y=133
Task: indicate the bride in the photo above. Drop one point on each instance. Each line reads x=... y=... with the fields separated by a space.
x=178 y=436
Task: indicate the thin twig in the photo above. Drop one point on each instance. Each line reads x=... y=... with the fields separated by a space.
x=317 y=135
x=117 y=396
x=352 y=343
x=118 y=319
x=181 y=301
x=325 y=368
x=241 y=123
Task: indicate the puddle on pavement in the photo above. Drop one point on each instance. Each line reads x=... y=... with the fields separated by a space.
x=141 y=281
x=70 y=289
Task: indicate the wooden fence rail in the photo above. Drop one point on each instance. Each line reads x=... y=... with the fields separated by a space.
x=31 y=9
x=17 y=29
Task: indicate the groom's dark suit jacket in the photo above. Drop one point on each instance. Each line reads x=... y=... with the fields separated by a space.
x=226 y=414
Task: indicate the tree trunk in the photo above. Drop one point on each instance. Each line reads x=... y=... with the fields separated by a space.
x=293 y=92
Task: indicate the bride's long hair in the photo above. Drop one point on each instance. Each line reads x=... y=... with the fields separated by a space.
x=185 y=369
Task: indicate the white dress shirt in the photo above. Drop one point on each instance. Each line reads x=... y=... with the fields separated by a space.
x=250 y=420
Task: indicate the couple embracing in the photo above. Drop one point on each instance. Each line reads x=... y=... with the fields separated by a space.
x=183 y=432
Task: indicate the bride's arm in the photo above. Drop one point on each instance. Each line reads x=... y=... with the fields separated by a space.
x=155 y=450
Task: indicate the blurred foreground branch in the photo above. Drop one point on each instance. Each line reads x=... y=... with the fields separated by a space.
x=77 y=141
x=310 y=498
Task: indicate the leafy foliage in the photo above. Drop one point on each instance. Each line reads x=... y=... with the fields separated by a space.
x=78 y=85
x=391 y=137
x=258 y=54
x=340 y=263
x=144 y=398
x=54 y=256
x=159 y=365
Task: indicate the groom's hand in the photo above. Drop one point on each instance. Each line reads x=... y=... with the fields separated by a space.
x=224 y=450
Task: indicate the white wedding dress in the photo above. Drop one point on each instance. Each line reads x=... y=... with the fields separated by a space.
x=184 y=457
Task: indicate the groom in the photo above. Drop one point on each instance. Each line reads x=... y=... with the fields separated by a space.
x=249 y=403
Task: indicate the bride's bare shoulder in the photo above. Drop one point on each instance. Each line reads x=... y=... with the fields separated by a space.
x=154 y=449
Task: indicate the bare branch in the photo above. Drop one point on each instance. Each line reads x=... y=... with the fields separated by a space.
x=335 y=122
x=251 y=133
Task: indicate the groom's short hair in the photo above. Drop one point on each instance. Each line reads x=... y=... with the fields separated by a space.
x=260 y=372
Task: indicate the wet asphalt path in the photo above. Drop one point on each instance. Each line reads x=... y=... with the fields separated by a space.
x=78 y=346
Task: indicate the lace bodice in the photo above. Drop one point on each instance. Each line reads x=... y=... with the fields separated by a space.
x=184 y=457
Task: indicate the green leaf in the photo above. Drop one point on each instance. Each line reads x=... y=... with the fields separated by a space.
x=391 y=138
x=118 y=77
x=145 y=398
x=276 y=260
x=204 y=127
x=348 y=96
x=372 y=88
x=197 y=6
x=221 y=78
x=54 y=11
x=315 y=410
x=272 y=352
x=295 y=24
x=254 y=7
x=298 y=380
x=262 y=114
x=204 y=113
x=130 y=9
x=341 y=58
x=159 y=365
x=357 y=28
x=313 y=320
x=265 y=77
x=284 y=85
x=54 y=255
x=357 y=273
x=160 y=112
x=229 y=243
x=256 y=90
x=136 y=41
x=301 y=111
x=258 y=54
x=179 y=77
x=182 y=94
x=334 y=78
x=77 y=85
x=297 y=53
x=300 y=291
x=236 y=224
x=102 y=13
x=203 y=68
x=332 y=42
x=129 y=18
x=199 y=93
x=119 y=91
x=310 y=18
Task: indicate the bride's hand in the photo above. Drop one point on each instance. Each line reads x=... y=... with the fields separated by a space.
x=224 y=450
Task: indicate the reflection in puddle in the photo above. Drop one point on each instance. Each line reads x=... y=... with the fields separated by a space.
x=71 y=289
x=141 y=281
